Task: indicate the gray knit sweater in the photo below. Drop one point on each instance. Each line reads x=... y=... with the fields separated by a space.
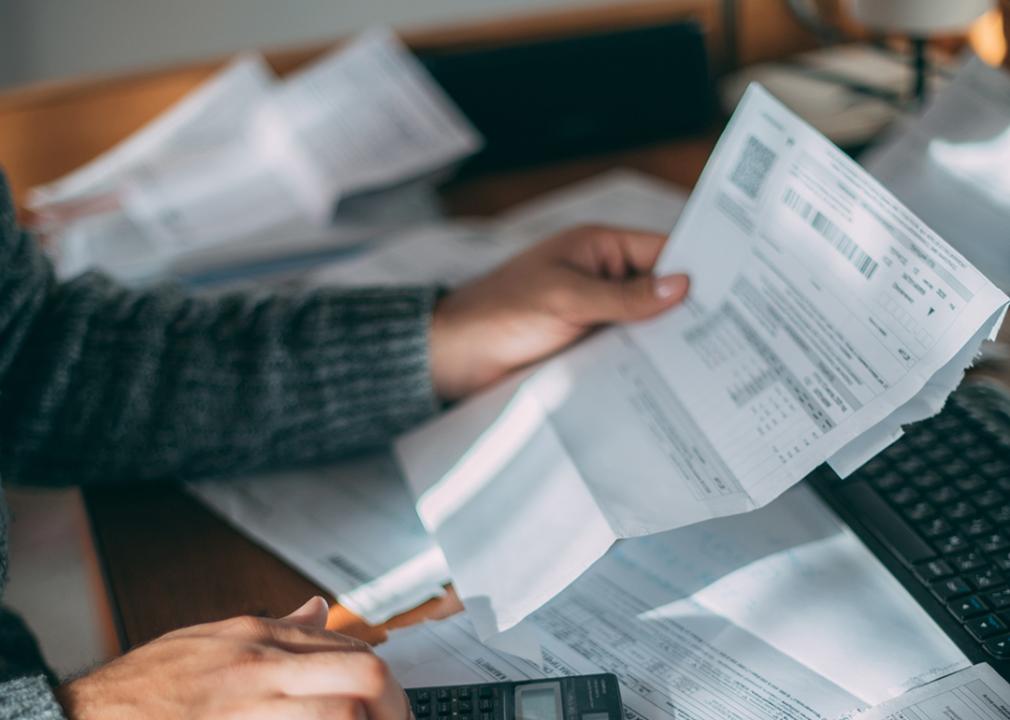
x=99 y=384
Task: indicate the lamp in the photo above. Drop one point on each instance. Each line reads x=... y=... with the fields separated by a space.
x=919 y=19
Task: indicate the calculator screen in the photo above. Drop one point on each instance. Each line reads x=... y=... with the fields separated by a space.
x=539 y=702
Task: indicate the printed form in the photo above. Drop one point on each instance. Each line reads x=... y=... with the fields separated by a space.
x=976 y=693
x=823 y=315
x=703 y=623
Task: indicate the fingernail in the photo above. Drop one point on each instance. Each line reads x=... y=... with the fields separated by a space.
x=670 y=286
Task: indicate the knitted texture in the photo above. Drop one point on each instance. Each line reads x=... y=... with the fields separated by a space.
x=100 y=384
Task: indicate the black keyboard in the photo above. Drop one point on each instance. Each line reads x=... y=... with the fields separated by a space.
x=935 y=507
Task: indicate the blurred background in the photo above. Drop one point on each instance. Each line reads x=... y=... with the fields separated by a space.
x=52 y=39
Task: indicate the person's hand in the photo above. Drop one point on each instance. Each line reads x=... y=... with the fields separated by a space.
x=545 y=299
x=248 y=668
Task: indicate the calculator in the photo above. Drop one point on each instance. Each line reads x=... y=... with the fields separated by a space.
x=579 y=697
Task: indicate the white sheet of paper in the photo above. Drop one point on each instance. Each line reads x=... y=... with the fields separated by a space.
x=206 y=118
x=361 y=118
x=819 y=306
x=975 y=693
x=949 y=166
x=350 y=527
x=367 y=115
x=657 y=609
x=380 y=579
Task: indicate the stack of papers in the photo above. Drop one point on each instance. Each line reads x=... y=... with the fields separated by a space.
x=823 y=316
x=765 y=614
x=352 y=527
x=250 y=160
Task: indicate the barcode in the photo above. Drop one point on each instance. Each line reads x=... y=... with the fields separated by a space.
x=832 y=233
x=752 y=167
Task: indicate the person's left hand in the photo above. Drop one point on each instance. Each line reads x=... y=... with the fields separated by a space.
x=543 y=300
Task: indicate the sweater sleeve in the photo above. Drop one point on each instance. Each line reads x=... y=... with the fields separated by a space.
x=28 y=698
x=103 y=384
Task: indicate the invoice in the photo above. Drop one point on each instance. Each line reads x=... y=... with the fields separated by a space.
x=819 y=306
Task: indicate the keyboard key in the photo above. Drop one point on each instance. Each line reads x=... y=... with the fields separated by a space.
x=486 y=705
x=999 y=648
x=978 y=453
x=911 y=466
x=989 y=498
x=944 y=495
x=933 y=570
x=465 y=706
x=422 y=710
x=876 y=466
x=1002 y=560
x=966 y=608
x=993 y=543
x=952 y=544
x=889 y=481
x=985 y=627
x=904 y=496
x=1001 y=514
x=1000 y=599
x=444 y=708
x=423 y=696
x=976 y=527
x=917 y=512
x=987 y=579
x=928 y=480
x=935 y=528
x=969 y=561
x=959 y=511
x=996 y=469
x=939 y=453
x=970 y=484
x=951 y=588
x=955 y=468
x=442 y=695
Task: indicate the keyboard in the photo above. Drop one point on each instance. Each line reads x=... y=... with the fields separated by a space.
x=935 y=508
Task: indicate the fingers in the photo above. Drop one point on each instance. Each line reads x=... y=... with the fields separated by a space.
x=596 y=300
x=358 y=675
x=306 y=708
x=288 y=636
x=313 y=613
x=611 y=252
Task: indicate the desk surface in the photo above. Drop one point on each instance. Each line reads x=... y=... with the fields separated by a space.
x=170 y=562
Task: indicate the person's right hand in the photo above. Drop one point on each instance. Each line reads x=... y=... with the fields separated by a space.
x=247 y=667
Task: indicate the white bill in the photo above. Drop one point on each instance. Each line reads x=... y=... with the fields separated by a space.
x=976 y=693
x=819 y=307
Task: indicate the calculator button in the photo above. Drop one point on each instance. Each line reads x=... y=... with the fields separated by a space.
x=967 y=608
x=422 y=696
x=444 y=708
x=422 y=710
x=486 y=692
x=465 y=706
x=986 y=627
x=486 y=705
x=442 y=695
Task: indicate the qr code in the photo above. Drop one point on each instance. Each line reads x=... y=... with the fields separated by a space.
x=753 y=166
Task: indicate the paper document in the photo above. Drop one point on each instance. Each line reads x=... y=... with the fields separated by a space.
x=364 y=117
x=819 y=307
x=950 y=167
x=208 y=117
x=652 y=612
x=976 y=693
x=312 y=519
x=350 y=527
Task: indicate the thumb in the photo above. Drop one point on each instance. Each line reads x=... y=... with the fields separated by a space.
x=311 y=614
x=636 y=298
